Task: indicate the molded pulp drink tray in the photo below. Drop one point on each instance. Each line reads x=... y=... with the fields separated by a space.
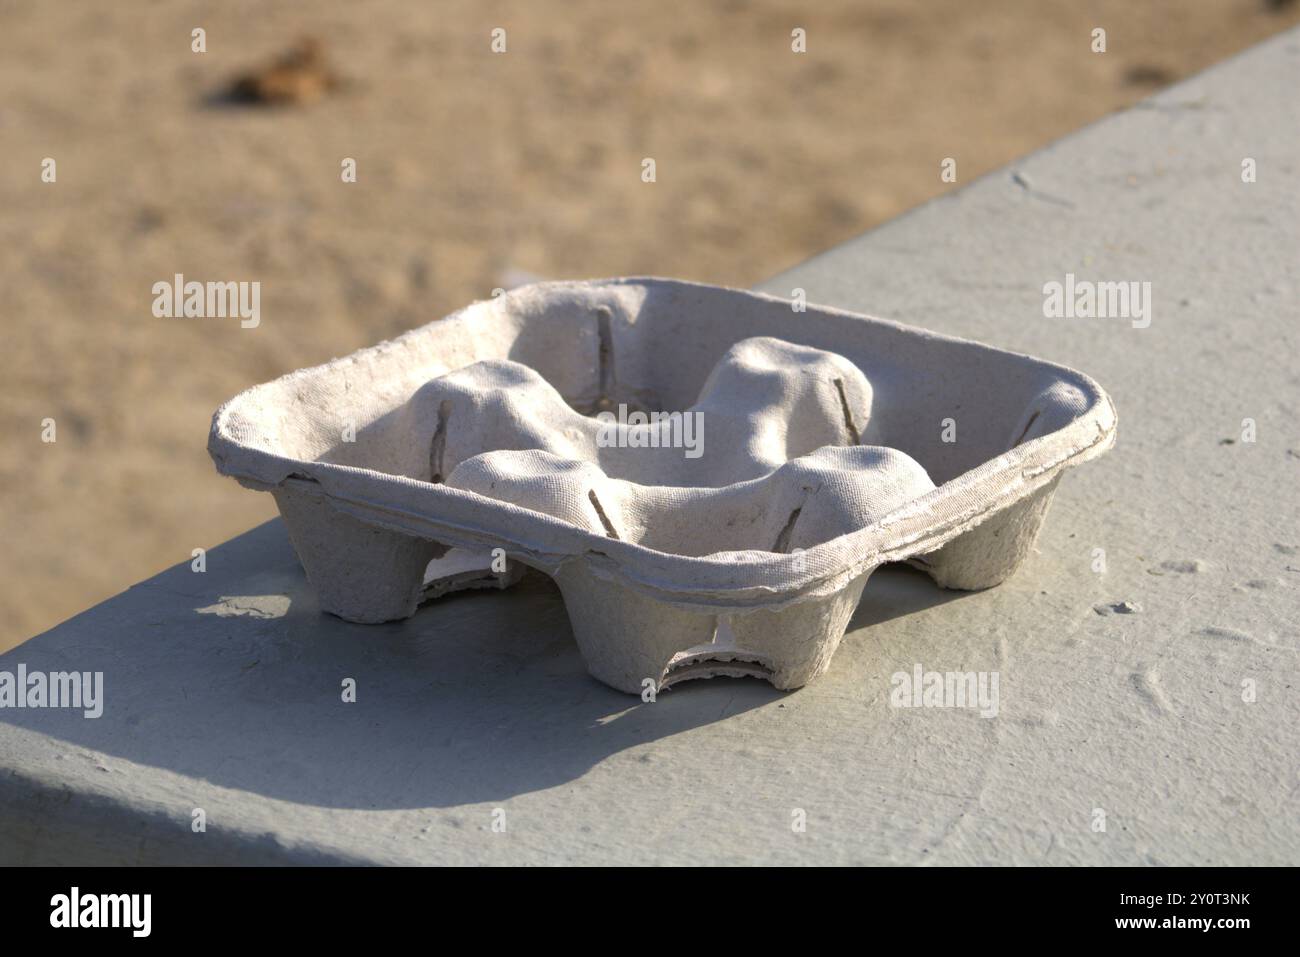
x=820 y=451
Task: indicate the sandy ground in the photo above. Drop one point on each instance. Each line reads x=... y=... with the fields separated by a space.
x=472 y=168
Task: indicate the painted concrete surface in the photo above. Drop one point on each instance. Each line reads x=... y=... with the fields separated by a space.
x=477 y=736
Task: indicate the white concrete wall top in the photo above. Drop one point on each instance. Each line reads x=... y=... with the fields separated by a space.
x=223 y=690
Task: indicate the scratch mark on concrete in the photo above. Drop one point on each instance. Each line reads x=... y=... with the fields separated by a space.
x=1021 y=180
x=1147 y=685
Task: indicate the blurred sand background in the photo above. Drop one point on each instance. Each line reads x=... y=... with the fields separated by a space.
x=473 y=167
